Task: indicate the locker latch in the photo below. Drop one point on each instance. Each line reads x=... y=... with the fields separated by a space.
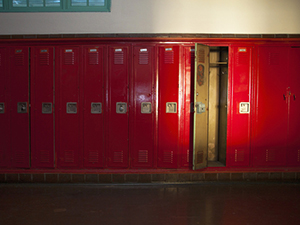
x=121 y=107
x=96 y=107
x=171 y=107
x=146 y=107
x=22 y=107
x=200 y=107
x=71 y=107
x=46 y=107
x=244 y=107
x=1 y=107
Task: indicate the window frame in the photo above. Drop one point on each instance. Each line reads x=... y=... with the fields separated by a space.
x=65 y=6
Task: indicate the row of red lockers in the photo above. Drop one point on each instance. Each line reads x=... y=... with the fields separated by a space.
x=107 y=106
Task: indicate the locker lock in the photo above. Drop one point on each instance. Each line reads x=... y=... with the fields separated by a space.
x=1 y=107
x=22 y=107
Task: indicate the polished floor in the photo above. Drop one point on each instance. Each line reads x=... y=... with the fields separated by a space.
x=158 y=204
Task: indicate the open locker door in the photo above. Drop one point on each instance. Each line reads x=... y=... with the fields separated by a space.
x=200 y=137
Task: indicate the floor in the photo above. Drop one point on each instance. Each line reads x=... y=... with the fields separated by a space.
x=177 y=204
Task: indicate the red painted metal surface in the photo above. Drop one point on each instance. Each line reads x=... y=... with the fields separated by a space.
x=5 y=110
x=118 y=108
x=19 y=114
x=68 y=130
x=187 y=118
x=168 y=119
x=238 y=149
x=42 y=113
x=270 y=137
x=293 y=143
x=142 y=115
x=94 y=107
x=115 y=140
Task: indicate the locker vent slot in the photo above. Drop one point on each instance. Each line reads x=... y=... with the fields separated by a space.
x=169 y=57
x=69 y=156
x=168 y=157
x=270 y=155
x=274 y=58
x=143 y=58
x=118 y=58
x=201 y=55
x=93 y=156
x=242 y=58
x=200 y=157
x=143 y=156
x=69 y=58
x=20 y=157
x=188 y=156
x=93 y=58
x=44 y=58
x=19 y=59
x=118 y=157
x=239 y=155
x=45 y=156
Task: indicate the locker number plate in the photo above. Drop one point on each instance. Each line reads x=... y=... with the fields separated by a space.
x=171 y=107
x=71 y=107
x=121 y=107
x=1 y=107
x=96 y=107
x=146 y=107
x=46 y=107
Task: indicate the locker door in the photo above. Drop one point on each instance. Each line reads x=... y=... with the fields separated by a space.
x=294 y=108
x=94 y=110
x=200 y=136
x=239 y=130
x=143 y=111
x=189 y=64
x=271 y=107
x=168 y=118
x=68 y=108
x=118 y=108
x=19 y=92
x=42 y=105
x=4 y=110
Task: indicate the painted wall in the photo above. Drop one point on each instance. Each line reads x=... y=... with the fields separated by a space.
x=165 y=16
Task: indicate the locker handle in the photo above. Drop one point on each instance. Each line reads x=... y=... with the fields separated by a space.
x=284 y=97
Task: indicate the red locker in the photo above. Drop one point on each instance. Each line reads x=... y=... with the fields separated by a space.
x=168 y=117
x=187 y=119
x=42 y=114
x=270 y=131
x=118 y=95
x=293 y=148
x=93 y=107
x=238 y=149
x=4 y=110
x=143 y=107
x=68 y=130
x=19 y=93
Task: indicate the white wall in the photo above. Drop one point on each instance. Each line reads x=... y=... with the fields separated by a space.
x=165 y=16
